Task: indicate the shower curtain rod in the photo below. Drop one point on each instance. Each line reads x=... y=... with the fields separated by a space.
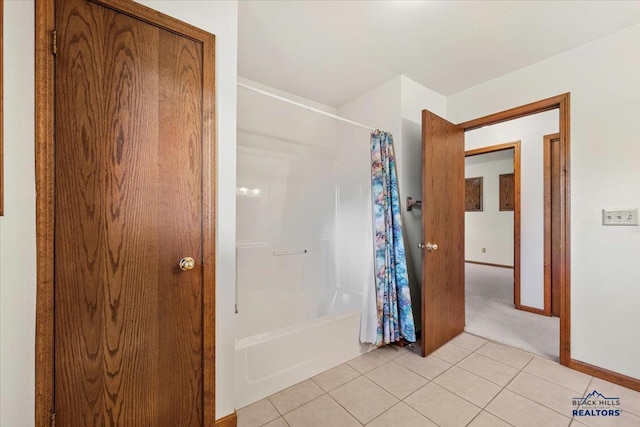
x=306 y=107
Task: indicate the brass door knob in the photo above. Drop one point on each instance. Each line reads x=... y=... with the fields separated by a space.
x=187 y=263
x=431 y=247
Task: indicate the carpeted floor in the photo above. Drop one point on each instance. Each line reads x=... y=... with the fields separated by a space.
x=490 y=313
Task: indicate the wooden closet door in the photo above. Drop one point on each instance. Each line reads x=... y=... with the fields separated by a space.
x=128 y=208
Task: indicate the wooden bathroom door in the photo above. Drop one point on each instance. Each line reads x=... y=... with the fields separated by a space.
x=443 y=314
x=133 y=244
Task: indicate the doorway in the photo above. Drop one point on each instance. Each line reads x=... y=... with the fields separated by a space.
x=511 y=306
x=443 y=272
x=501 y=164
x=125 y=322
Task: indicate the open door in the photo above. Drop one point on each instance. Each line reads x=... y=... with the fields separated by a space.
x=443 y=314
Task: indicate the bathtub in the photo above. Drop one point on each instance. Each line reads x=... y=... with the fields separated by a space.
x=272 y=361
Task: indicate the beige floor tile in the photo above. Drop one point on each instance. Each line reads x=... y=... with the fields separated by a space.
x=368 y=362
x=451 y=353
x=468 y=341
x=513 y=357
x=392 y=351
x=335 y=377
x=257 y=414
x=558 y=374
x=626 y=419
x=401 y=415
x=522 y=412
x=295 y=396
x=548 y=394
x=575 y=423
x=363 y=399
x=485 y=419
x=629 y=399
x=441 y=406
x=322 y=412
x=278 y=422
x=489 y=369
x=396 y=379
x=468 y=386
x=429 y=367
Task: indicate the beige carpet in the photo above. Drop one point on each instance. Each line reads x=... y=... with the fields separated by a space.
x=490 y=313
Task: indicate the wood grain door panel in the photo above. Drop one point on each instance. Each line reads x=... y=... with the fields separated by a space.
x=128 y=206
x=443 y=206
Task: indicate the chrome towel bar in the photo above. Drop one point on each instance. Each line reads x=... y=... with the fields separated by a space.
x=283 y=253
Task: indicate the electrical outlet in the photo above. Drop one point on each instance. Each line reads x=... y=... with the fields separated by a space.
x=620 y=217
x=484 y=250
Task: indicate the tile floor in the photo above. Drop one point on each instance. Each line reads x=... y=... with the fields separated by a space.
x=467 y=382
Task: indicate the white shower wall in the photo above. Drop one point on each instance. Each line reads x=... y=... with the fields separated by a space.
x=286 y=217
x=304 y=244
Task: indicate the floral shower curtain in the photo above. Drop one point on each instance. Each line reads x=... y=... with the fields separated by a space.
x=393 y=300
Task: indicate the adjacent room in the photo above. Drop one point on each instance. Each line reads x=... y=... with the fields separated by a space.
x=505 y=235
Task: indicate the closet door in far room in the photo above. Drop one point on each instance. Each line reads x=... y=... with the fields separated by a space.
x=442 y=244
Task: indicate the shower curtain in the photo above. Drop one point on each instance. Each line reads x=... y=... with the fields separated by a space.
x=393 y=299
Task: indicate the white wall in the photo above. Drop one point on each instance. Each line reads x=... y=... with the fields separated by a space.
x=490 y=228
x=380 y=108
x=602 y=77
x=17 y=227
x=529 y=131
x=414 y=98
x=396 y=106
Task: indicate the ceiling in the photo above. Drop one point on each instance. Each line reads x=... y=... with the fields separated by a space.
x=333 y=51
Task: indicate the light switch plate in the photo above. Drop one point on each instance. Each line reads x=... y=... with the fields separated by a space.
x=620 y=217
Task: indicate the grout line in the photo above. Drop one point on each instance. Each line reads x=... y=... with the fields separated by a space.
x=426 y=378
x=283 y=414
x=519 y=369
x=342 y=385
x=486 y=379
x=457 y=395
x=493 y=415
x=561 y=366
x=279 y=414
x=504 y=387
x=396 y=404
x=553 y=382
x=464 y=398
x=283 y=420
x=343 y=407
x=415 y=409
x=541 y=404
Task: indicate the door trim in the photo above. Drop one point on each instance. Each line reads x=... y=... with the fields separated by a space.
x=44 y=148
x=515 y=145
x=562 y=103
x=549 y=251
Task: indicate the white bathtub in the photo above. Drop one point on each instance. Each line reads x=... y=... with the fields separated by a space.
x=272 y=361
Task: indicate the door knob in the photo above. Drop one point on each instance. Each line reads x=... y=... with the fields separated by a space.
x=421 y=245
x=187 y=263
x=431 y=247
